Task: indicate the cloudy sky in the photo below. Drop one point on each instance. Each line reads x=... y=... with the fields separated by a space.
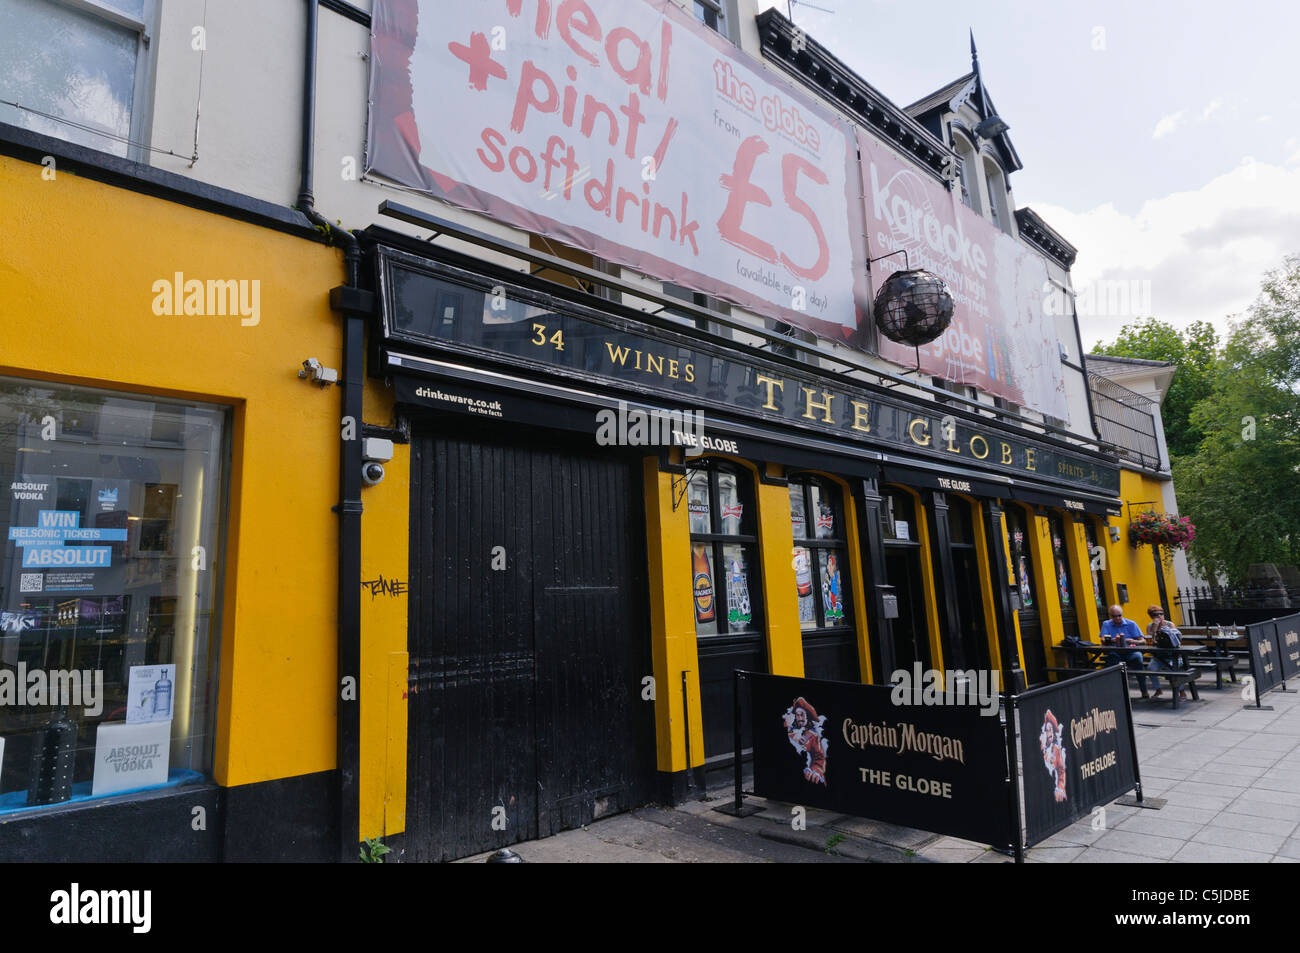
x=1161 y=138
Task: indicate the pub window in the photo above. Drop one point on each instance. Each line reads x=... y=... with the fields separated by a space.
x=713 y=14
x=1098 y=591
x=77 y=71
x=724 y=549
x=110 y=561
x=821 y=568
x=1060 y=560
x=1020 y=557
x=898 y=516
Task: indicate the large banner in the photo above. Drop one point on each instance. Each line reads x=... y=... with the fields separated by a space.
x=1076 y=750
x=849 y=748
x=1002 y=340
x=632 y=131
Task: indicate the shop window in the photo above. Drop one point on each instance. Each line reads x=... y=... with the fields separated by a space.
x=109 y=589
x=1060 y=560
x=78 y=71
x=898 y=516
x=821 y=567
x=724 y=549
x=1017 y=536
x=1098 y=591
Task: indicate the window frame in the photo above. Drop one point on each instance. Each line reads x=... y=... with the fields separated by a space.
x=140 y=130
x=727 y=14
x=836 y=545
x=716 y=542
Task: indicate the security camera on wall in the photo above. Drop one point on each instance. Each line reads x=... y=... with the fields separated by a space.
x=372 y=473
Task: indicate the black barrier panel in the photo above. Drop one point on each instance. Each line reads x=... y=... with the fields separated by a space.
x=1288 y=645
x=1076 y=750
x=1265 y=665
x=848 y=748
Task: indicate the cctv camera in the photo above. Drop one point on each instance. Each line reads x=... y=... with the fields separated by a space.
x=372 y=473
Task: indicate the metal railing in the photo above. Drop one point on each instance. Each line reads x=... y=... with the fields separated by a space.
x=1224 y=605
x=1125 y=419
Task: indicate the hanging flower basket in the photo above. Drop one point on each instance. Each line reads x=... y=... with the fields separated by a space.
x=1161 y=529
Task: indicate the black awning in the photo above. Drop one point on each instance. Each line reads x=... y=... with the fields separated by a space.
x=1069 y=501
x=947 y=479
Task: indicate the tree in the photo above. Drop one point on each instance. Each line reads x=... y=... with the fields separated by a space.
x=1241 y=486
x=1195 y=354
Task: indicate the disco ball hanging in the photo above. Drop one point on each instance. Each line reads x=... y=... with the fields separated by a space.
x=913 y=307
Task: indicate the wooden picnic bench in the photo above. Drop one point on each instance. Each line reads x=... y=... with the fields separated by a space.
x=1095 y=655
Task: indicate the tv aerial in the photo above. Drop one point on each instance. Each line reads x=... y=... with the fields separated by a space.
x=791 y=4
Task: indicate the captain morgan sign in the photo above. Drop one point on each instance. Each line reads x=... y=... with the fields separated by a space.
x=629 y=130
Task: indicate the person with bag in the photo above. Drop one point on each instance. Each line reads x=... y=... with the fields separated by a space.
x=1125 y=633
x=1165 y=635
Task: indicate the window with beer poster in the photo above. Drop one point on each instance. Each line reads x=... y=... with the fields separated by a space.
x=724 y=549
x=821 y=568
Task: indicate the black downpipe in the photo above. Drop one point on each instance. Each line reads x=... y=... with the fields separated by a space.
x=349 y=505
x=1083 y=364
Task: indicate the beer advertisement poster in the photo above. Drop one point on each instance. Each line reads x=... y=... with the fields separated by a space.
x=849 y=748
x=1076 y=751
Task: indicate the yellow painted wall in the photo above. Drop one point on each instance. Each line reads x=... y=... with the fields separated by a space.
x=78 y=260
x=385 y=544
x=672 y=620
x=1135 y=566
x=780 y=591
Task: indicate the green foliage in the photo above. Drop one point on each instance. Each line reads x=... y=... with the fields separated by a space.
x=373 y=851
x=834 y=841
x=1241 y=487
x=1232 y=423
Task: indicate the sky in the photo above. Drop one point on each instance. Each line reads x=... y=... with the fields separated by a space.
x=1160 y=138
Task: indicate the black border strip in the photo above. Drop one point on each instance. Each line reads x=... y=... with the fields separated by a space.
x=72 y=159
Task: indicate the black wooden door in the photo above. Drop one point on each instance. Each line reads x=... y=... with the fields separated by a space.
x=528 y=644
x=911 y=631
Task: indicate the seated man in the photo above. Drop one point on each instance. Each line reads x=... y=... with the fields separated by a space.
x=1165 y=635
x=1118 y=630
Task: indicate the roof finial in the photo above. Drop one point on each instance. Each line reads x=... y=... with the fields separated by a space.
x=974 y=56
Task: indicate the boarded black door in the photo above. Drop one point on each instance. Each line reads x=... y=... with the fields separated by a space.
x=525 y=713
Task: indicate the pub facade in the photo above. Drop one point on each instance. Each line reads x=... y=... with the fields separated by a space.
x=604 y=412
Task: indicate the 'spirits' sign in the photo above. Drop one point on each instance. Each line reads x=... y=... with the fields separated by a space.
x=594 y=346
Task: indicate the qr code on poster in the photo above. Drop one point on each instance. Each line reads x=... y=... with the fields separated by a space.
x=31 y=582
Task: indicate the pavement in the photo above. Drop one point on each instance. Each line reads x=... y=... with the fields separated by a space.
x=1230 y=779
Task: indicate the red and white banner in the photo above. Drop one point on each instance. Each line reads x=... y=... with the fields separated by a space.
x=628 y=129
x=1002 y=340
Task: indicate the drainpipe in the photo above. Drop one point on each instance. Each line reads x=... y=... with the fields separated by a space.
x=354 y=304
